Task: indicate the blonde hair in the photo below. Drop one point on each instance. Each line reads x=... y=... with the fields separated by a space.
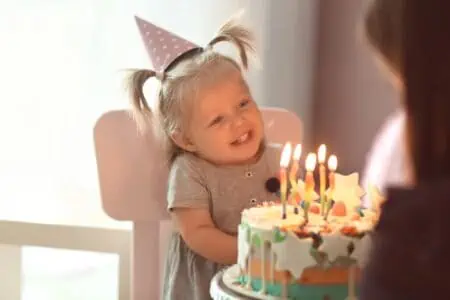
x=182 y=80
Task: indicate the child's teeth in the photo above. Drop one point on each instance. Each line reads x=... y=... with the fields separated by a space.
x=243 y=138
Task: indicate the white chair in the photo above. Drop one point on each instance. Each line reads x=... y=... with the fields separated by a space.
x=133 y=183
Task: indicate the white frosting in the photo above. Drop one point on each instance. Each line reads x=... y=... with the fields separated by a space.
x=348 y=190
x=263 y=219
x=243 y=245
x=293 y=254
x=268 y=217
x=364 y=225
x=263 y=269
x=362 y=248
x=335 y=245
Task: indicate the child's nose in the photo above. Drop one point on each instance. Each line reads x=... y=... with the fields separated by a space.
x=238 y=121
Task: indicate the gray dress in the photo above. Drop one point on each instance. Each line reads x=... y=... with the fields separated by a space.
x=225 y=191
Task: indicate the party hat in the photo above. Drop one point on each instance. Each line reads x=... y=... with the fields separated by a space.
x=162 y=46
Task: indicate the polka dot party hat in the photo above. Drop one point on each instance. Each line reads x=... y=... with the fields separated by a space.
x=162 y=46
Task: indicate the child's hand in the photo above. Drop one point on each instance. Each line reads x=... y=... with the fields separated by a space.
x=202 y=236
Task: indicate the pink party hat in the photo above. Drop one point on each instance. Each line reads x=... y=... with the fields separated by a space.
x=162 y=46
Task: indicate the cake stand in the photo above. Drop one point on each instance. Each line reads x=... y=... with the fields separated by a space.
x=224 y=287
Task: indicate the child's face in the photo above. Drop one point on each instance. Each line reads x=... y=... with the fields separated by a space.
x=226 y=125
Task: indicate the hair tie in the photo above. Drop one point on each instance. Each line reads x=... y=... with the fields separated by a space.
x=208 y=47
x=160 y=76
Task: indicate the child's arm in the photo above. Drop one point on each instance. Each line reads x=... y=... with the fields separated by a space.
x=203 y=237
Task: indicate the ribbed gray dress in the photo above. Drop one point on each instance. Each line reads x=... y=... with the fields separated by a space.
x=225 y=191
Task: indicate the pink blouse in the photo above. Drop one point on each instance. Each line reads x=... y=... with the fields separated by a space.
x=386 y=162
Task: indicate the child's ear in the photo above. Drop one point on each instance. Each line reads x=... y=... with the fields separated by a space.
x=182 y=141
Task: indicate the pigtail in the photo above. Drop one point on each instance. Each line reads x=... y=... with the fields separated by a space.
x=240 y=36
x=139 y=104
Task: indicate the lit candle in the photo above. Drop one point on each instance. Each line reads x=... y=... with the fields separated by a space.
x=322 y=153
x=332 y=166
x=294 y=168
x=310 y=165
x=293 y=177
x=284 y=163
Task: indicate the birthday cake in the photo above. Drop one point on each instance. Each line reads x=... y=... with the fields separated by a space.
x=312 y=246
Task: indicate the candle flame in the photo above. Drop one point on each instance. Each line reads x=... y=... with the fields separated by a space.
x=322 y=153
x=286 y=155
x=310 y=163
x=332 y=163
x=297 y=152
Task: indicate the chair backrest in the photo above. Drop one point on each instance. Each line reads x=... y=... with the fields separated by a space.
x=131 y=170
x=133 y=177
x=133 y=184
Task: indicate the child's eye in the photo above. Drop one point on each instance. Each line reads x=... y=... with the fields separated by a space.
x=216 y=121
x=244 y=103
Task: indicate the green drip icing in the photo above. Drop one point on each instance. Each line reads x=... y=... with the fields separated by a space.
x=301 y=292
x=256 y=240
x=245 y=225
x=278 y=236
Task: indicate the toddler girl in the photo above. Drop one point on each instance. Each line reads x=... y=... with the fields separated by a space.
x=219 y=161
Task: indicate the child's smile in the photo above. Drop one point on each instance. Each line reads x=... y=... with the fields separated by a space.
x=243 y=139
x=226 y=125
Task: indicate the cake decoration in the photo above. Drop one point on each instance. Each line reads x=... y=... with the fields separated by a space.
x=348 y=191
x=309 y=191
x=284 y=163
x=362 y=247
x=339 y=209
x=322 y=153
x=256 y=240
x=307 y=200
x=332 y=166
x=314 y=209
x=335 y=245
x=294 y=195
x=278 y=236
x=303 y=248
x=293 y=255
x=295 y=167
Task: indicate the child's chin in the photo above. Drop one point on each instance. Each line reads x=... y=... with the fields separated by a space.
x=251 y=153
